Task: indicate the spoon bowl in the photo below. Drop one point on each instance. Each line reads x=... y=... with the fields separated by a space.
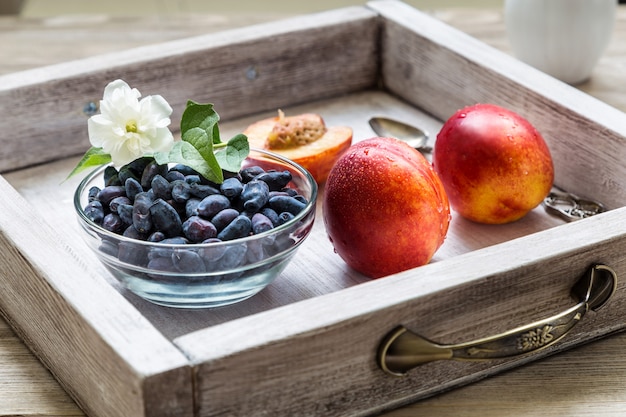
x=415 y=137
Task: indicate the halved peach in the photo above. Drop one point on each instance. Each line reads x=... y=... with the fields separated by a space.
x=304 y=139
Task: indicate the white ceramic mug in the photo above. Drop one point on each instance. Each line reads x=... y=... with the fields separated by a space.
x=564 y=38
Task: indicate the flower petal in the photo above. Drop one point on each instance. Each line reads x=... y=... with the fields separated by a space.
x=163 y=141
x=99 y=129
x=113 y=86
x=156 y=106
x=121 y=155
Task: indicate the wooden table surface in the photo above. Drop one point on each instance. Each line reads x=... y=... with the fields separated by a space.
x=587 y=381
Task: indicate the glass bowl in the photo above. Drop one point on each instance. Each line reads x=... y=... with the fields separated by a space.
x=201 y=275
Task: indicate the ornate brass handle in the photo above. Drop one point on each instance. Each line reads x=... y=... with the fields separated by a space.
x=402 y=350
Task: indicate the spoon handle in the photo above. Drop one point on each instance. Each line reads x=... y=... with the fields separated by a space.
x=571 y=207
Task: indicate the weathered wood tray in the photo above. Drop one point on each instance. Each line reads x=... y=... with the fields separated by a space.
x=307 y=345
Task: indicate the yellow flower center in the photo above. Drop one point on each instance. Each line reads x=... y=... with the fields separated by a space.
x=131 y=126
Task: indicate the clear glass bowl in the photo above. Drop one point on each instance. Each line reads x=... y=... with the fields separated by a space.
x=225 y=272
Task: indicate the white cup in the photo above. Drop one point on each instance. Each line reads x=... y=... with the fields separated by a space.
x=564 y=38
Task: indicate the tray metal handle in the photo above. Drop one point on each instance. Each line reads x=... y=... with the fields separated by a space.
x=402 y=350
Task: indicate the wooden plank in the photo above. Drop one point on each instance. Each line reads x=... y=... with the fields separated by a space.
x=99 y=348
x=70 y=37
x=242 y=71
x=440 y=70
x=27 y=387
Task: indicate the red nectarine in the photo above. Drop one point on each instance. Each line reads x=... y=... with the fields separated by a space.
x=385 y=209
x=494 y=165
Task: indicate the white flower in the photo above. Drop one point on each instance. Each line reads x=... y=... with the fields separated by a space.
x=128 y=128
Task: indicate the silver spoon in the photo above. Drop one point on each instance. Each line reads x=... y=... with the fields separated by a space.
x=412 y=135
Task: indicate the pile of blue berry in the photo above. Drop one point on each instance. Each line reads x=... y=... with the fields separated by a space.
x=175 y=205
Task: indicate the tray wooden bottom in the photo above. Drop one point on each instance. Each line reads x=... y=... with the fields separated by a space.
x=316 y=270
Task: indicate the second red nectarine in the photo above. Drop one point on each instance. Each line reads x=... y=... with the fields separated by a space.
x=494 y=165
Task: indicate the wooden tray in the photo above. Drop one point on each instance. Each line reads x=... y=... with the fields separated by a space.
x=307 y=345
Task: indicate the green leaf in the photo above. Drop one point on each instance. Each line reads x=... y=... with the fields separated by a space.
x=199 y=128
x=185 y=153
x=202 y=116
x=94 y=157
x=199 y=139
x=236 y=150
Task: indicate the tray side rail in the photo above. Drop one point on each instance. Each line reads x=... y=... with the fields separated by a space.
x=241 y=71
x=318 y=356
x=96 y=345
x=441 y=69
